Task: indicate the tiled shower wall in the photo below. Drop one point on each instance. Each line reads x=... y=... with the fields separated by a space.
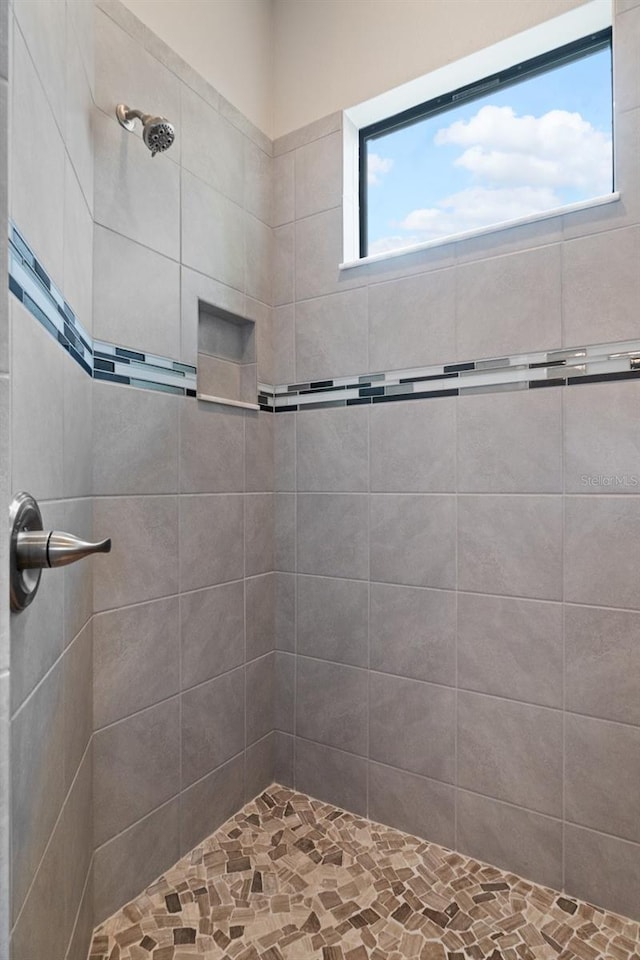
x=458 y=583
x=51 y=197
x=183 y=626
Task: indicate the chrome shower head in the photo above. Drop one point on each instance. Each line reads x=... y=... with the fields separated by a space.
x=157 y=133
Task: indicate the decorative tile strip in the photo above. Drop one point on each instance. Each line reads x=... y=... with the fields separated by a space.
x=596 y=363
x=34 y=288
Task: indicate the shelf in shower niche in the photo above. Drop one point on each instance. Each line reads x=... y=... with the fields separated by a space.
x=227 y=403
x=227 y=362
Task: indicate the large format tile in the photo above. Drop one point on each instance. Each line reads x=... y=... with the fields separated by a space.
x=602 y=663
x=318 y=175
x=259 y=766
x=196 y=287
x=79 y=107
x=518 y=840
x=212 y=232
x=413 y=539
x=333 y=450
x=412 y=321
x=211 y=540
x=318 y=253
x=209 y=802
x=327 y=773
x=626 y=67
x=413 y=632
x=135 y=441
x=283 y=189
x=212 y=632
x=510 y=442
x=509 y=304
x=77 y=829
x=259 y=452
x=260 y=612
x=511 y=648
x=37 y=780
x=285 y=611
x=332 y=535
x=77 y=442
x=78 y=577
x=135 y=858
x=136 y=767
x=77 y=669
x=599 y=304
x=284 y=692
x=212 y=148
x=283 y=265
x=331 y=336
x=206 y=745
x=78 y=250
x=510 y=545
x=136 y=659
x=412 y=725
x=331 y=705
x=260 y=686
x=602 y=775
x=143 y=563
x=258 y=260
x=211 y=448
x=258 y=182
x=412 y=452
x=602 y=551
x=603 y=870
x=510 y=751
x=151 y=213
x=259 y=533
x=602 y=438
x=411 y=803
x=43 y=27
x=141 y=310
x=333 y=619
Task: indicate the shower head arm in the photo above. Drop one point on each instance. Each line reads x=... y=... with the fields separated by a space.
x=126 y=115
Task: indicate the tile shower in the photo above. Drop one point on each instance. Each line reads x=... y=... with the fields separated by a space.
x=424 y=610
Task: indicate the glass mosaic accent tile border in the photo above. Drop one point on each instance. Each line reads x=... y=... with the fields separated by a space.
x=31 y=284
x=292 y=878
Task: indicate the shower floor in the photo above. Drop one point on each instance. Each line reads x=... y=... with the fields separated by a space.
x=291 y=878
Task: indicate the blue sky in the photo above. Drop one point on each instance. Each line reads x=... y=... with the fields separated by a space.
x=530 y=147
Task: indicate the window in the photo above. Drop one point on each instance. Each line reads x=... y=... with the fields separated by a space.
x=516 y=144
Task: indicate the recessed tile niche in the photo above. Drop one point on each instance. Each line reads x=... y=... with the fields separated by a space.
x=227 y=368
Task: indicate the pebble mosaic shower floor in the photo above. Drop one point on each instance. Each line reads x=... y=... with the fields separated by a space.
x=291 y=878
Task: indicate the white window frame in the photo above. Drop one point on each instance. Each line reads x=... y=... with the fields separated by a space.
x=589 y=18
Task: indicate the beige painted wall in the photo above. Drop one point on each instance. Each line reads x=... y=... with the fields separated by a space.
x=332 y=54
x=229 y=42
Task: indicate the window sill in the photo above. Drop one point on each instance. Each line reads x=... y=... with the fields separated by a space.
x=482 y=231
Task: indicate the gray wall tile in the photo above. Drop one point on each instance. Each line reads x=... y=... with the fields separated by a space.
x=602 y=550
x=285 y=626
x=283 y=189
x=206 y=745
x=211 y=631
x=195 y=287
x=510 y=545
x=510 y=751
x=201 y=126
x=331 y=705
x=333 y=619
x=260 y=685
x=123 y=463
x=258 y=182
x=603 y=870
x=259 y=767
x=141 y=310
x=283 y=264
x=318 y=251
x=284 y=548
x=602 y=438
x=509 y=304
x=212 y=232
x=260 y=615
x=412 y=726
x=517 y=840
x=259 y=530
x=333 y=450
x=331 y=338
x=259 y=452
x=413 y=632
x=411 y=452
x=77 y=670
x=332 y=532
x=136 y=659
x=143 y=563
x=284 y=451
x=258 y=260
x=412 y=321
x=511 y=648
x=126 y=864
x=602 y=657
x=602 y=771
x=318 y=175
x=510 y=442
x=419 y=806
x=207 y=558
x=283 y=758
x=331 y=775
x=78 y=578
x=211 y=448
x=626 y=70
x=413 y=539
x=78 y=245
x=284 y=692
x=209 y=802
x=136 y=767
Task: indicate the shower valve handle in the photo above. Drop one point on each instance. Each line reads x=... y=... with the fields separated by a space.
x=39 y=549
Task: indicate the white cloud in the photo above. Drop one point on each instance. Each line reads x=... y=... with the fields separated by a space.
x=558 y=149
x=518 y=164
x=377 y=166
